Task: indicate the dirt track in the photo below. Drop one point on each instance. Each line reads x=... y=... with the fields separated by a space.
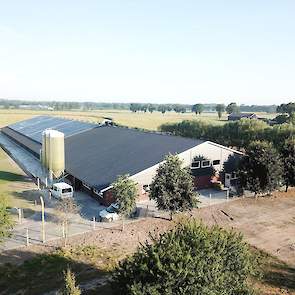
x=267 y=223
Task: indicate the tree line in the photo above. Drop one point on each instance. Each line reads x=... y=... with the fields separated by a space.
x=135 y=107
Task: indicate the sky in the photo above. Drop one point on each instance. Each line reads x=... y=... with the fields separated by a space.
x=158 y=51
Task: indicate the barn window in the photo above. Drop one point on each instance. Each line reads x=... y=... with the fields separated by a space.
x=195 y=165
x=216 y=162
x=205 y=164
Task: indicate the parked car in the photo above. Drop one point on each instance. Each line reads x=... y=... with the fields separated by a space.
x=61 y=190
x=111 y=213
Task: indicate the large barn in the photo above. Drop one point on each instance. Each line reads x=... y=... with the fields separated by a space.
x=95 y=155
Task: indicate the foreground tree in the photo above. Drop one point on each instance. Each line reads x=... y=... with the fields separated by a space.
x=198 y=108
x=69 y=287
x=260 y=171
x=125 y=193
x=220 y=108
x=172 y=187
x=189 y=259
x=6 y=223
x=288 y=158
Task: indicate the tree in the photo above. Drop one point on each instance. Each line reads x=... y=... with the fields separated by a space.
x=66 y=207
x=125 y=193
x=6 y=223
x=70 y=287
x=288 y=108
x=189 y=259
x=172 y=187
x=232 y=108
x=260 y=171
x=151 y=108
x=288 y=158
x=198 y=108
x=220 y=108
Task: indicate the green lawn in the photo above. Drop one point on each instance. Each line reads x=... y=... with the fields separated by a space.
x=15 y=187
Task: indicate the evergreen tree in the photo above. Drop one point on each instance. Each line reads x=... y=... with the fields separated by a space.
x=260 y=171
x=189 y=259
x=125 y=193
x=172 y=187
x=6 y=222
x=288 y=158
x=70 y=287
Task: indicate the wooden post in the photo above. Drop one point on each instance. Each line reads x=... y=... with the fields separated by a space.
x=42 y=219
x=27 y=236
x=93 y=223
x=38 y=183
x=63 y=230
x=19 y=210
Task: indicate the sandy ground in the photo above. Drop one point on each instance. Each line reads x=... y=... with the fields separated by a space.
x=267 y=223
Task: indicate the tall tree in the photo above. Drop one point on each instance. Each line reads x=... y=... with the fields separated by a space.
x=198 y=108
x=232 y=108
x=125 y=193
x=69 y=287
x=220 y=108
x=6 y=223
x=288 y=158
x=189 y=259
x=172 y=187
x=261 y=170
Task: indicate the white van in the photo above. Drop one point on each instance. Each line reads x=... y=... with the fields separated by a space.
x=62 y=190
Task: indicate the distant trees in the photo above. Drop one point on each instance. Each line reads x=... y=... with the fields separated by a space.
x=220 y=108
x=261 y=170
x=172 y=187
x=288 y=158
x=232 y=108
x=6 y=223
x=189 y=259
x=69 y=287
x=198 y=108
x=237 y=134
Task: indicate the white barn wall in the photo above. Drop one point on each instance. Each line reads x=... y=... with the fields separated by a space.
x=208 y=149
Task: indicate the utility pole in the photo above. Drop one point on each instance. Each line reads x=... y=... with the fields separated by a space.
x=42 y=219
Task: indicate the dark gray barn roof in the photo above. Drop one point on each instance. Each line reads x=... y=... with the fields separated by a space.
x=99 y=155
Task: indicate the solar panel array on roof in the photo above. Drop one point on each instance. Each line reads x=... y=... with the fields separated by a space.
x=34 y=127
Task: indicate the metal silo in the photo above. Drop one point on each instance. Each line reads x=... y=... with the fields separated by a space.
x=56 y=153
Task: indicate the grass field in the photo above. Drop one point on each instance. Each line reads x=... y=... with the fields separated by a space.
x=126 y=118
x=15 y=187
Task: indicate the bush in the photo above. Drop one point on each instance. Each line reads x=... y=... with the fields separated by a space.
x=189 y=259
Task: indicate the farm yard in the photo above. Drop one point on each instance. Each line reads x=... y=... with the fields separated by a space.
x=267 y=224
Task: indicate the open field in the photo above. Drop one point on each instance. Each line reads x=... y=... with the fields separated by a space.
x=126 y=118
